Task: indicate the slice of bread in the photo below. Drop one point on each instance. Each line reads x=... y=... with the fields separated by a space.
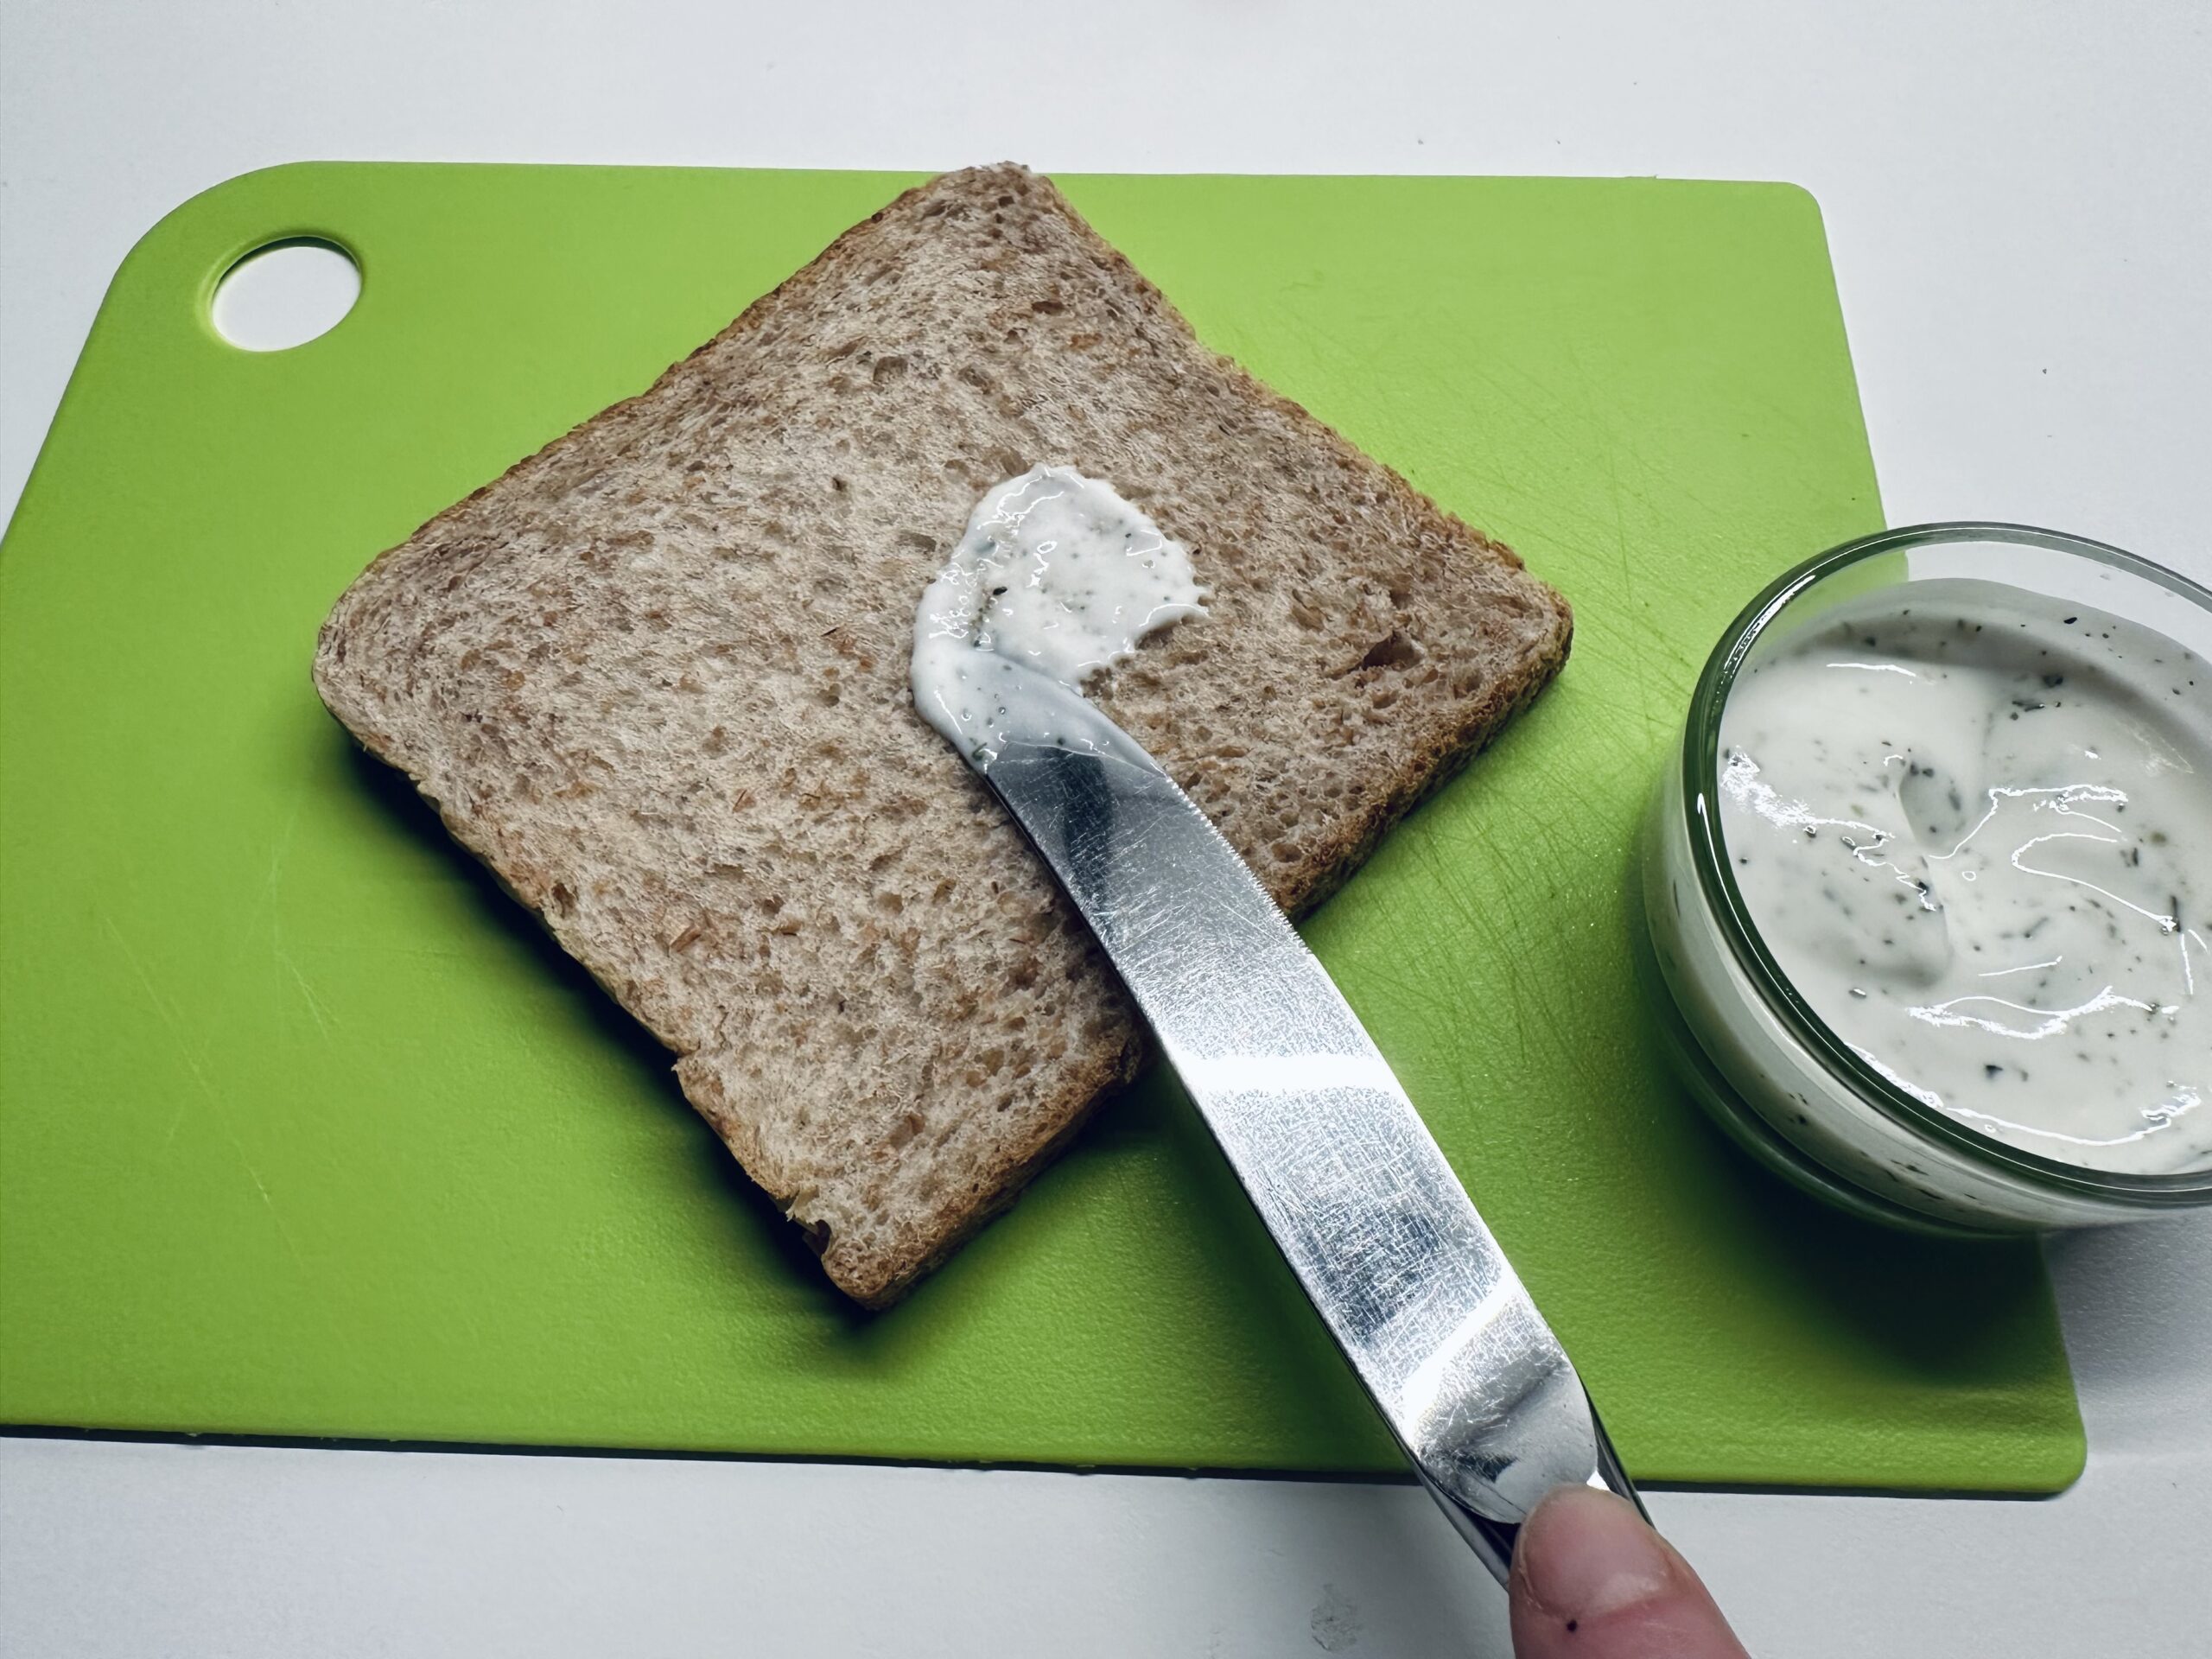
x=656 y=677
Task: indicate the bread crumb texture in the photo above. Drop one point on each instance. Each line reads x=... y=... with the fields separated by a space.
x=656 y=677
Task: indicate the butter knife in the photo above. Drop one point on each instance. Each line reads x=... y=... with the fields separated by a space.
x=1409 y=1279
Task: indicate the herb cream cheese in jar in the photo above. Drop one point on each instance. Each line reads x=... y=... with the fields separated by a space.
x=1930 y=881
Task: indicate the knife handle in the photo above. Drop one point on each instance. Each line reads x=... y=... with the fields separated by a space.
x=1494 y=1541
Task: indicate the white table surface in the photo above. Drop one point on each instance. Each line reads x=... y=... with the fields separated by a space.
x=2017 y=198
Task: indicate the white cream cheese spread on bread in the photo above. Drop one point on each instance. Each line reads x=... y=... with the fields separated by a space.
x=1976 y=834
x=1056 y=572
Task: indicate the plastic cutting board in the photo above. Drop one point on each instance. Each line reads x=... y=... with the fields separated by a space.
x=306 y=1131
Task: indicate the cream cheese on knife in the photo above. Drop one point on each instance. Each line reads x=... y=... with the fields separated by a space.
x=1057 y=573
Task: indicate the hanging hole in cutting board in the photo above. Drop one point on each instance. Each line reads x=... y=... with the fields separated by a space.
x=285 y=293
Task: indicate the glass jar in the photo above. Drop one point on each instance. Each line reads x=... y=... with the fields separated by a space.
x=1757 y=1056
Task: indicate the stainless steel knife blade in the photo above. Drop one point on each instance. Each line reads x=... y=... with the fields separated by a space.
x=1342 y=1169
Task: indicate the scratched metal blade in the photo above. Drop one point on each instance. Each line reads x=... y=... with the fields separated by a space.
x=1343 y=1171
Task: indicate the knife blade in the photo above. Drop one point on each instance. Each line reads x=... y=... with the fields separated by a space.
x=1421 y=1299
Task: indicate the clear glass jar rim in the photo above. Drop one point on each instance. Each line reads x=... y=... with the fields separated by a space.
x=1700 y=769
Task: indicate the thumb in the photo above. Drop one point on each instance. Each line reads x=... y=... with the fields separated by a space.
x=1590 y=1581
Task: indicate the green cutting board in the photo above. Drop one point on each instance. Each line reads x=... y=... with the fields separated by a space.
x=305 y=1130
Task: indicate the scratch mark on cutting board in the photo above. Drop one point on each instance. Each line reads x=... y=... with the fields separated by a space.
x=169 y=1018
x=1497 y=922
x=323 y=1018
x=1618 y=495
x=265 y=903
x=271 y=904
x=221 y=1119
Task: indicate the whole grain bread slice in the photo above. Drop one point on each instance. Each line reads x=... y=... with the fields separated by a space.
x=656 y=678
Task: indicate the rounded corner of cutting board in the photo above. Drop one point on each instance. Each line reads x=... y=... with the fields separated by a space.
x=272 y=199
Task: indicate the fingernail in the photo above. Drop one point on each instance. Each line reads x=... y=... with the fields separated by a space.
x=1586 y=1554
